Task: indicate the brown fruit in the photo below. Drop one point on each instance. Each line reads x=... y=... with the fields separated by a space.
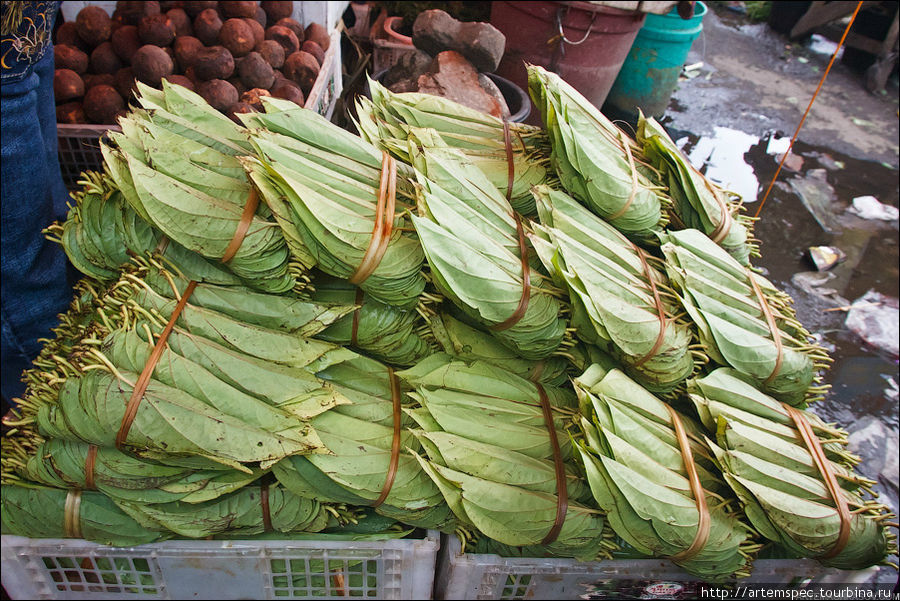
x=207 y=26
x=277 y=10
x=259 y=32
x=181 y=21
x=237 y=83
x=99 y=79
x=213 y=63
x=272 y=52
x=104 y=59
x=293 y=26
x=303 y=69
x=131 y=12
x=70 y=112
x=237 y=37
x=319 y=35
x=101 y=103
x=255 y=72
x=315 y=50
x=288 y=91
x=69 y=57
x=152 y=63
x=125 y=42
x=285 y=37
x=186 y=48
x=180 y=80
x=123 y=82
x=157 y=30
x=260 y=17
x=218 y=93
x=67 y=85
x=239 y=10
x=195 y=8
x=67 y=34
x=94 y=25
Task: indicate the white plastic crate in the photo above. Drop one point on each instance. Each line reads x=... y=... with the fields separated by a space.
x=206 y=569
x=477 y=576
x=325 y=92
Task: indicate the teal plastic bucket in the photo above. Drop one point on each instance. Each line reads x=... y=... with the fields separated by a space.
x=650 y=72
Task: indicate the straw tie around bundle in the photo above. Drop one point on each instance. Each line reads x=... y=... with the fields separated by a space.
x=703 y=522
x=384 y=221
x=140 y=387
x=395 y=442
x=562 y=492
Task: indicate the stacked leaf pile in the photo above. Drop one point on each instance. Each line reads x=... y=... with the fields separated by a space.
x=550 y=342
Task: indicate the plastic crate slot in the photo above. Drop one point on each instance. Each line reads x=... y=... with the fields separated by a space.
x=516 y=586
x=100 y=575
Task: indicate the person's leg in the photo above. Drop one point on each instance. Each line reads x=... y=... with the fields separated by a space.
x=34 y=288
x=46 y=104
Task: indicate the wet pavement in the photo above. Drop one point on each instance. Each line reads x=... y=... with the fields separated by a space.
x=733 y=115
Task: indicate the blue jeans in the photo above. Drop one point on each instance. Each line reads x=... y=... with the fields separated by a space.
x=33 y=270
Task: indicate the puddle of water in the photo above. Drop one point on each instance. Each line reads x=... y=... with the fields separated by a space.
x=722 y=155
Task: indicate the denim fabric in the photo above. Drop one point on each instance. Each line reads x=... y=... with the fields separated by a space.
x=33 y=270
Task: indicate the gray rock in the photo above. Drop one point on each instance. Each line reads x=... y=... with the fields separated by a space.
x=483 y=44
x=408 y=66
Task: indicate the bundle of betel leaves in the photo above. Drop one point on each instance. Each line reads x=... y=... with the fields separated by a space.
x=547 y=341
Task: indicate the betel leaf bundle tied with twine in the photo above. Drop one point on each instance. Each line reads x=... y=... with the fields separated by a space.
x=370 y=461
x=42 y=512
x=476 y=248
x=696 y=201
x=620 y=295
x=341 y=200
x=120 y=476
x=384 y=332
x=189 y=406
x=102 y=233
x=250 y=511
x=649 y=468
x=389 y=117
x=596 y=162
x=192 y=187
x=468 y=343
x=793 y=475
x=743 y=320
x=496 y=445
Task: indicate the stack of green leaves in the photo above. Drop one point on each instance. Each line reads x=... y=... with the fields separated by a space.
x=388 y=117
x=176 y=164
x=40 y=512
x=775 y=476
x=637 y=473
x=697 y=202
x=243 y=513
x=359 y=437
x=323 y=185
x=488 y=448
x=742 y=319
x=596 y=162
x=468 y=343
x=619 y=293
x=469 y=234
x=385 y=332
x=227 y=388
x=123 y=477
x=102 y=232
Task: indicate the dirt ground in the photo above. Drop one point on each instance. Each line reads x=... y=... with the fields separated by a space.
x=755 y=80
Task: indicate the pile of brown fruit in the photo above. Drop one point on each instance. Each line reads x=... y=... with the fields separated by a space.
x=231 y=53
